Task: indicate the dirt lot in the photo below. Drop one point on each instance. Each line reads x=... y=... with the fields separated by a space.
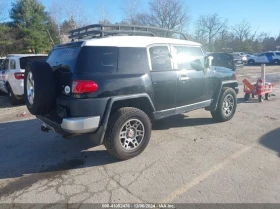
x=190 y=159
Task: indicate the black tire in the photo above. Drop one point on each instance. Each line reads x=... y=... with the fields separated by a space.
x=246 y=96
x=44 y=88
x=267 y=96
x=260 y=98
x=12 y=98
x=276 y=62
x=112 y=140
x=251 y=62
x=219 y=115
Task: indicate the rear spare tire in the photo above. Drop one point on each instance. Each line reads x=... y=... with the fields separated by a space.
x=39 y=88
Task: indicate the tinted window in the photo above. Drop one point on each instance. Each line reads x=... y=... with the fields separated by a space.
x=12 y=64
x=269 y=54
x=25 y=60
x=98 y=59
x=160 y=58
x=6 y=64
x=133 y=60
x=64 y=58
x=186 y=54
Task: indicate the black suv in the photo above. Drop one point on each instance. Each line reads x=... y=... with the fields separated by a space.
x=112 y=85
x=227 y=60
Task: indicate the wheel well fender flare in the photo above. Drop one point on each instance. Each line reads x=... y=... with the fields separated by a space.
x=231 y=84
x=109 y=108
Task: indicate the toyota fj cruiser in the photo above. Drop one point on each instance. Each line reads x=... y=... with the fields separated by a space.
x=119 y=79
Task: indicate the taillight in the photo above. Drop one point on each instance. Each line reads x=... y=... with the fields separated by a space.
x=80 y=87
x=19 y=76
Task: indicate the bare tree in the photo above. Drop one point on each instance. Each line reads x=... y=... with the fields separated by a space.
x=57 y=14
x=75 y=13
x=68 y=10
x=169 y=14
x=3 y=6
x=104 y=16
x=209 y=26
x=242 y=30
x=131 y=11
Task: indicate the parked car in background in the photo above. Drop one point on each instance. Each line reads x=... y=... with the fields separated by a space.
x=2 y=59
x=242 y=55
x=249 y=56
x=227 y=60
x=265 y=58
x=12 y=74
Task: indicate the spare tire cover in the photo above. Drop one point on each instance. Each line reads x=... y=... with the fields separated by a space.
x=39 y=88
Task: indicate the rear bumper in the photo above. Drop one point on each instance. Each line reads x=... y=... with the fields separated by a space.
x=80 y=125
x=17 y=87
x=71 y=126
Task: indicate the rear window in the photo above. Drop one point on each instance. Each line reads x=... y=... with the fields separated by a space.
x=277 y=53
x=64 y=58
x=98 y=59
x=25 y=60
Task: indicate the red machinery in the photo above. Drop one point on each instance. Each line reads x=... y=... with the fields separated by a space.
x=260 y=88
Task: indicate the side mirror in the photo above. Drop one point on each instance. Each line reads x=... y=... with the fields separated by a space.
x=196 y=65
x=208 y=61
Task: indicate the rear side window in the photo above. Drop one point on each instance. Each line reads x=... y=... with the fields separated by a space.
x=187 y=54
x=160 y=58
x=6 y=64
x=64 y=58
x=13 y=64
x=25 y=60
x=97 y=59
x=277 y=53
x=133 y=60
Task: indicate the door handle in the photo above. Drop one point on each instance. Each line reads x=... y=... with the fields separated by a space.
x=184 y=78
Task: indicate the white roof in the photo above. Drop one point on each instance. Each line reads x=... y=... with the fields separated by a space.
x=25 y=55
x=135 y=41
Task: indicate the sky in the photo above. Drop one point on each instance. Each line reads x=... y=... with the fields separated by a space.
x=262 y=15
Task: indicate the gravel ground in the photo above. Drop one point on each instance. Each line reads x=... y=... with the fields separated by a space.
x=190 y=159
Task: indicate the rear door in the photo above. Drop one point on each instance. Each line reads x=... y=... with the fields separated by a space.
x=269 y=57
x=164 y=78
x=261 y=58
x=63 y=59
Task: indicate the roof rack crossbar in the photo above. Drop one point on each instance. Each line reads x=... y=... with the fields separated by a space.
x=108 y=29
x=101 y=33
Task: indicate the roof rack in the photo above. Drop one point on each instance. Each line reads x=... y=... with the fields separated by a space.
x=103 y=30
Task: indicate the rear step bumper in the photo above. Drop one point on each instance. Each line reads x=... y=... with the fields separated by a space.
x=80 y=125
x=68 y=126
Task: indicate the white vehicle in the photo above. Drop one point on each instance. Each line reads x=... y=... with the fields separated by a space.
x=12 y=74
x=242 y=55
x=265 y=58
